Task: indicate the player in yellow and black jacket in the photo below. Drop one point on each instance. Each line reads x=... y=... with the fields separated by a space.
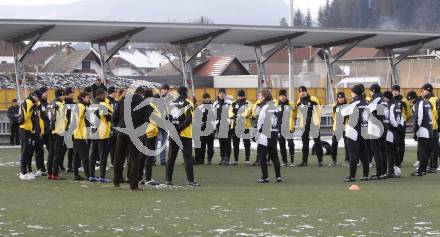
x=181 y=113
x=403 y=105
x=111 y=100
x=58 y=127
x=104 y=130
x=285 y=106
x=150 y=141
x=428 y=93
x=29 y=123
x=310 y=106
x=341 y=101
x=80 y=136
x=43 y=138
x=241 y=109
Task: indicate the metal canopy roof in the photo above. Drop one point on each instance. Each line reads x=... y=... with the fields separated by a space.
x=92 y=31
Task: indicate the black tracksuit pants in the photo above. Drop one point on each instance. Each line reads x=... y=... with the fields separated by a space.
x=111 y=148
x=391 y=155
x=206 y=144
x=27 y=140
x=334 y=148
x=358 y=150
x=102 y=147
x=124 y=147
x=378 y=151
x=14 y=138
x=225 y=147
x=187 y=157
x=69 y=158
x=146 y=165
x=56 y=154
x=433 y=158
x=305 y=149
x=40 y=141
x=283 y=151
x=236 y=145
x=400 y=146
x=81 y=154
x=269 y=152
x=423 y=153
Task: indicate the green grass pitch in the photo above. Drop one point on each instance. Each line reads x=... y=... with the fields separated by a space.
x=312 y=201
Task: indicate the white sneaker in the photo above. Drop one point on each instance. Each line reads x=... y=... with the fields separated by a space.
x=292 y=164
x=26 y=177
x=416 y=164
x=438 y=169
x=39 y=173
x=31 y=175
x=81 y=169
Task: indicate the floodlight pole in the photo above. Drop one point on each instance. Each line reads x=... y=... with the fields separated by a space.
x=291 y=48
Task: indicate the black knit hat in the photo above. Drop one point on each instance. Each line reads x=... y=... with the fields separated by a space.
x=340 y=95
x=282 y=92
x=206 y=96
x=411 y=95
x=148 y=93
x=427 y=87
x=388 y=95
x=68 y=91
x=111 y=90
x=37 y=93
x=375 y=88
x=43 y=89
x=100 y=91
x=222 y=90
x=59 y=92
x=395 y=88
x=241 y=93
x=302 y=88
x=182 y=90
x=357 y=89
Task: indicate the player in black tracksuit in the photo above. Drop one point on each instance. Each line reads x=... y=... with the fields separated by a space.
x=422 y=130
x=397 y=130
x=403 y=105
x=377 y=135
x=268 y=130
x=221 y=109
x=309 y=105
x=206 y=141
x=334 y=147
x=389 y=123
x=357 y=145
x=181 y=113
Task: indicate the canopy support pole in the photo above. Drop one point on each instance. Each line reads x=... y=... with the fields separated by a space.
x=281 y=43
x=330 y=60
x=20 y=51
x=260 y=68
x=105 y=55
x=187 y=56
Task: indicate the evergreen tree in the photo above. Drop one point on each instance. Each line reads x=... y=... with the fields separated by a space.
x=299 y=18
x=308 y=20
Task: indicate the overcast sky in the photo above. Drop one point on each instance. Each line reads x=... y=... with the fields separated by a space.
x=303 y=4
